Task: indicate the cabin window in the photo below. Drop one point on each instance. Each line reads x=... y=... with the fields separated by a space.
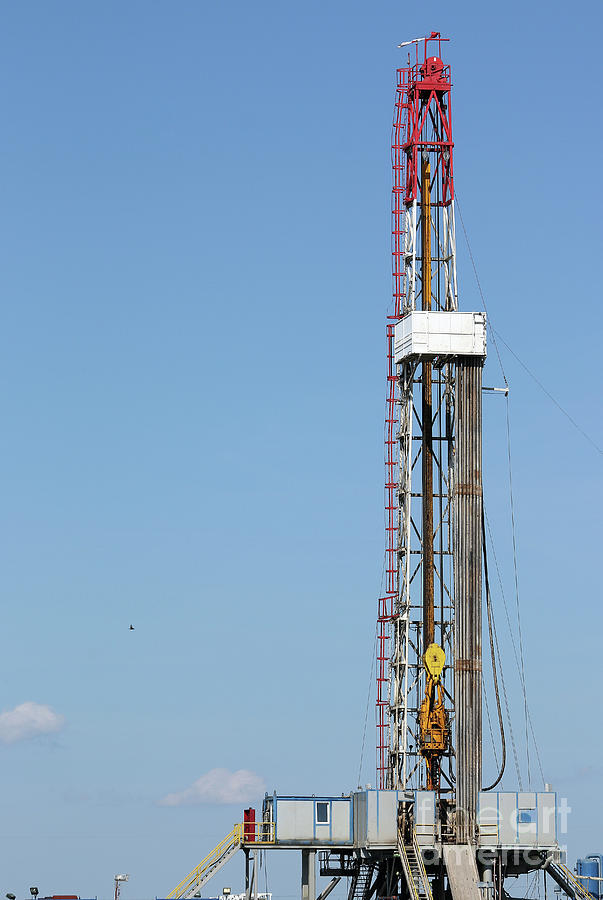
x=527 y=817
x=322 y=813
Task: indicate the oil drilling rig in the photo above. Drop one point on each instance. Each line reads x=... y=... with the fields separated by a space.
x=431 y=828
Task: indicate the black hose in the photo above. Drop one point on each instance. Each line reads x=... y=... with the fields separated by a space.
x=493 y=655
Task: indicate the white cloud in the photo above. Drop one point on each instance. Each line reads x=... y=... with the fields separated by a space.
x=27 y=721
x=219 y=786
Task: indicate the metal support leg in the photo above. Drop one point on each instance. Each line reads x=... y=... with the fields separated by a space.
x=246 y=851
x=488 y=879
x=308 y=875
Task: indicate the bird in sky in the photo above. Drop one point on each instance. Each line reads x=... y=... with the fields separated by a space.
x=131 y=628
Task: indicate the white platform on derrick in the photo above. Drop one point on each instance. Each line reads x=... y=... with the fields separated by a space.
x=430 y=333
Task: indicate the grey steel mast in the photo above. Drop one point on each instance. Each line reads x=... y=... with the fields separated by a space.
x=431 y=615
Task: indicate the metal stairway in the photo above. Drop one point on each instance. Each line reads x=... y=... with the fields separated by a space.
x=209 y=866
x=414 y=870
x=566 y=880
x=361 y=881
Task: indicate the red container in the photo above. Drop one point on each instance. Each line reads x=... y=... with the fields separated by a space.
x=249 y=825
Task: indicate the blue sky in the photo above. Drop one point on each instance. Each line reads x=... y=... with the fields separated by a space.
x=195 y=264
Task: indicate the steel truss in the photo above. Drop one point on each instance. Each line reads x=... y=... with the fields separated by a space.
x=422 y=208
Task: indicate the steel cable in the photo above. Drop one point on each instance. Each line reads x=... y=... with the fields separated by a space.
x=368 y=700
x=485 y=694
x=516 y=575
x=519 y=659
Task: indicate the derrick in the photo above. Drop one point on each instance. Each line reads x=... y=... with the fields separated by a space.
x=416 y=611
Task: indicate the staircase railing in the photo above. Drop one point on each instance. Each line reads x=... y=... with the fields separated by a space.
x=578 y=888
x=421 y=864
x=408 y=871
x=257 y=833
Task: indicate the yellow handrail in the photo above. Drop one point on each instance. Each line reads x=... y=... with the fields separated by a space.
x=233 y=839
x=580 y=889
x=419 y=856
x=407 y=870
x=489 y=830
x=257 y=833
